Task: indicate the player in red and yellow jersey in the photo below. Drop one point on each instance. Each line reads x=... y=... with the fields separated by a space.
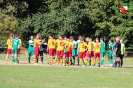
x=89 y=53
x=20 y=45
x=81 y=50
x=97 y=52
x=51 y=49
x=9 y=46
x=36 y=47
x=60 y=42
x=69 y=51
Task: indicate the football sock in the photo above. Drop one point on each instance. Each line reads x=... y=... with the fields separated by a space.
x=34 y=60
x=12 y=58
x=119 y=64
x=73 y=60
x=67 y=61
x=37 y=59
x=94 y=61
x=58 y=60
x=42 y=59
x=50 y=61
x=54 y=61
x=61 y=60
x=99 y=62
x=29 y=59
x=81 y=61
x=64 y=61
x=78 y=61
x=89 y=61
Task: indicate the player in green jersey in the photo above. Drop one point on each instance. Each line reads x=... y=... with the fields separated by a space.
x=30 y=48
x=102 y=51
x=15 y=43
x=110 y=53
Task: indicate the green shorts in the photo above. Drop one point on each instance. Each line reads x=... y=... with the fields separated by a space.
x=102 y=54
x=110 y=53
x=74 y=52
x=31 y=52
x=15 y=50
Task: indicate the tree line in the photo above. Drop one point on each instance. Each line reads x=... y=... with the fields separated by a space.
x=93 y=18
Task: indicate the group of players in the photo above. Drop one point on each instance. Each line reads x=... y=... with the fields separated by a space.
x=62 y=51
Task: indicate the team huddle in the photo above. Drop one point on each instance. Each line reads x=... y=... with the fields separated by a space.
x=64 y=51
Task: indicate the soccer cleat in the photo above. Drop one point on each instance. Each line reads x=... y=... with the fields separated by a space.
x=6 y=61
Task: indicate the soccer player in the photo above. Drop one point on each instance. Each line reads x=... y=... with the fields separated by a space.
x=60 y=49
x=51 y=49
x=89 y=53
x=102 y=51
x=36 y=47
x=122 y=51
x=81 y=49
x=9 y=46
x=69 y=51
x=15 y=43
x=19 y=47
x=110 y=53
x=31 y=48
x=78 y=41
x=97 y=52
x=117 y=52
x=42 y=49
x=74 y=51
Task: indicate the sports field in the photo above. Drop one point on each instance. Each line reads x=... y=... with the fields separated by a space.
x=25 y=75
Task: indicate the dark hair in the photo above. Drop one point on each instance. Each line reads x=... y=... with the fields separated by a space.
x=51 y=35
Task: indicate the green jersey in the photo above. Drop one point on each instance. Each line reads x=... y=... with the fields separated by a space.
x=102 y=48
x=122 y=48
x=111 y=46
x=31 y=44
x=15 y=43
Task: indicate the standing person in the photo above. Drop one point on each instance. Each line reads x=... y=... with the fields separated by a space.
x=102 y=51
x=78 y=41
x=36 y=47
x=9 y=47
x=69 y=51
x=15 y=43
x=117 y=51
x=81 y=49
x=74 y=51
x=51 y=49
x=89 y=53
x=97 y=46
x=30 y=48
x=60 y=49
x=19 y=47
x=122 y=52
x=110 y=53
x=42 y=49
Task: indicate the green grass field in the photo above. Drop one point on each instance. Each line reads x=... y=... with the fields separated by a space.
x=39 y=76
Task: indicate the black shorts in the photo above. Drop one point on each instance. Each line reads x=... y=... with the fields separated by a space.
x=41 y=53
x=118 y=54
x=121 y=56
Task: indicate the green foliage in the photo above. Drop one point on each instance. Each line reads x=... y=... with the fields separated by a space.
x=94 y=18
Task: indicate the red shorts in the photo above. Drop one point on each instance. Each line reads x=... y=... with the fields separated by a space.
x=81 y=55
x=9 y=51
x=89 y=54
x=60 y=53
x=97 y=55
x=19 y=49
x=51 y=52
x=36 y=51
x=69 y=53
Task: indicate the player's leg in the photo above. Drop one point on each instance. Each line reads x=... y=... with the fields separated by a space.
x=61 y=57
x=110 y=53
x=16 y=55
x=9 y=51
x=98 y=56
x=121 y=60
x=78 y=59
x=41 y=56
x=102 y=58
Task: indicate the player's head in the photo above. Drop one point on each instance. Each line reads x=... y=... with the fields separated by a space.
x=65 y=38
x=50 y=36
x=38 y=36
x=43 y=41
x=16 y=36
x=31 y=37
x=81 y=40
x=97 y=40
x=60 y=37
x=101 y=39
x=90 y=39
x=121 y=41
x=11 y=35
x=110 y=41
x=71 y=38
x=87 y=39
x=117 y=39
x=80 y=36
